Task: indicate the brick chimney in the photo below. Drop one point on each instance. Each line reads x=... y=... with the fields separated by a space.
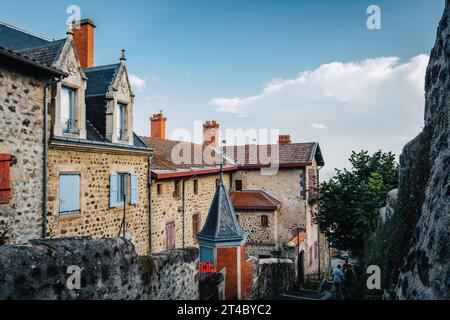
x=158 y=126
x=284 y=139
x=83 y=36
x=211 y=134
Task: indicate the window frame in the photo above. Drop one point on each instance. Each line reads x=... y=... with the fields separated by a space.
x=71 y=128
x=121 y=129
x=238 y=185
x=177 y=189
x=264 y=221
x=195 y=186
x=196 y=225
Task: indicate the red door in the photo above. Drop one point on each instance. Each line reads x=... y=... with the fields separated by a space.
x=170 y=236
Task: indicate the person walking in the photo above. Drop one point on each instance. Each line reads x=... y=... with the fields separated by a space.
x=349 y=276
x=338 y=276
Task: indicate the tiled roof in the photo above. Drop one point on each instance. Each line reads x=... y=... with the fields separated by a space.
x=16 y=39
x=45 y=54
x=253 y=200
x=165 y=167
x=221 y=223
x=100 y=79
x=294 y=154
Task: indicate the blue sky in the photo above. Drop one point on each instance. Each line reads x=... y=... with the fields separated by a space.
x=189 y=53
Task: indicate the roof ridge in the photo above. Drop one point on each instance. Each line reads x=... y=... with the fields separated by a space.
x=24 y=31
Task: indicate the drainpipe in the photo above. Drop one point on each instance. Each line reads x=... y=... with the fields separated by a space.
x=150 y=193
x=318 y=226
x=45 y=158
x=184 y=209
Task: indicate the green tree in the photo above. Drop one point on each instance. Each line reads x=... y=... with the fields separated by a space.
x=349 y=203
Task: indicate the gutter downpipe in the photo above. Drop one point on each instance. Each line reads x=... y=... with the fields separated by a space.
x=150 y=193
x=184 y=210
x=45 y=158
x=318 y=225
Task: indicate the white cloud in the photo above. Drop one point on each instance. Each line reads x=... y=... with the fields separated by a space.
x=367 y=104
x=318 y=126
x=137 y=83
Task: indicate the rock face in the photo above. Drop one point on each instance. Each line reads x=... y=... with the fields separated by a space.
x=110 y=269
x=424 y=192
x=387 y=212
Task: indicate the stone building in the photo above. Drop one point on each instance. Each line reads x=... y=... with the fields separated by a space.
x=293 y=184
x=96 y=177
x=258 y=213
x=182 y=191
x=23 y=83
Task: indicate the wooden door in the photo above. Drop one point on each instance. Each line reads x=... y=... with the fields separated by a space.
x=170 y=236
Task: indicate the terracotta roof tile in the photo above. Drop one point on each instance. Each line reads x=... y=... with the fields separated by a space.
x=254 y=200
x=287 y=155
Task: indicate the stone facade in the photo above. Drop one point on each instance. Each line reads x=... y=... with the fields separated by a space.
x=261 y=239
x=166 y=208
x=21 y=136
x=111 y=269
x=96 y=218
x=288 y=187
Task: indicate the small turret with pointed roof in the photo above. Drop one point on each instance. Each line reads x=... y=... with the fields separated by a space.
x=221 y=224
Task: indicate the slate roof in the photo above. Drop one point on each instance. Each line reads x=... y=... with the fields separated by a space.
x=254 y=200
x=294 y=154
x=100 y=79
x=221 y=224
x=46 y=54
x=16 y=39
x=15 y=56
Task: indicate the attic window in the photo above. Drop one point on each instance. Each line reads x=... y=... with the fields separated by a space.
x=68 y=109
x=121 y=122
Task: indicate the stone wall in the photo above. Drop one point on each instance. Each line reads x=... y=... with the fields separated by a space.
x=167 y=208
x=111 y=269
x=271 y=277
x=96 y=218
x=260 y=239
x=21 y=135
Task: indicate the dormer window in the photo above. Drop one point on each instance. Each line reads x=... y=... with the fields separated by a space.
x=121 y=122
x=68 y=110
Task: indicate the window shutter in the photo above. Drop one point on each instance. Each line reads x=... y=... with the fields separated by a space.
x=5 y=188
x=113 y=190
x=134 y=188
x=69 y=193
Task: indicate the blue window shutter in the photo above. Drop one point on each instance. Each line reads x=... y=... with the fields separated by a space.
x=134 y=188
x=69 y=193
x=113 y=190
x=207 y=255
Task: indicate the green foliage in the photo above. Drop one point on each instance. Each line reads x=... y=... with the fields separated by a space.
x=349 y=203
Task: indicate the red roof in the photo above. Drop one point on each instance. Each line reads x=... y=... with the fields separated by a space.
x=288 y=155
x=164 y=166
x=254 y=200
